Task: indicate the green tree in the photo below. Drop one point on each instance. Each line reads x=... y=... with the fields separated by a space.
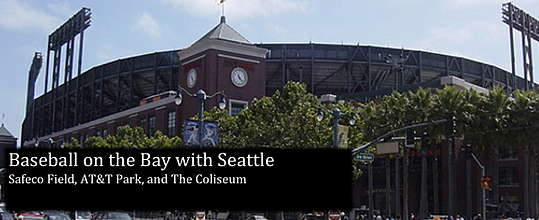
x=521 y=127
x=287 y=119
x=128 y=138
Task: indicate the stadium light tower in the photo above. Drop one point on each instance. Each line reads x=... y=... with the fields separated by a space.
x=397 y=63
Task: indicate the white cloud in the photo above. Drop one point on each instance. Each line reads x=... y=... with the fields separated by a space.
x=20 y=16
x=148 y=24
x=240 y=8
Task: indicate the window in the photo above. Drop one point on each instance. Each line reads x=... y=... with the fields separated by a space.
x=143 y=124
x=171 y=123
x=81 y=140
x=508 y=176
x=236 y=106
x=151 y=125
x=105 y=133
x=98 y=132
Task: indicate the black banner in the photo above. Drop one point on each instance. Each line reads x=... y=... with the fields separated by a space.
x=247 y=179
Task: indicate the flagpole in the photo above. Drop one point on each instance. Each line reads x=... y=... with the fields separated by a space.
x=222 y=2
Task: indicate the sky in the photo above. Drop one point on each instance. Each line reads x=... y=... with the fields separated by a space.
x=472 y=29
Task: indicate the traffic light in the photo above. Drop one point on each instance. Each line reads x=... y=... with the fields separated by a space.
x=490 y=196
x=450 y=126
x=484 y=182
x=467 y=149
x=410 y=138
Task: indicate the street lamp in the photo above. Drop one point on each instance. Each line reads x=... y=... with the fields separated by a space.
x=201 y=96
x=50 y=141
x=336 y=112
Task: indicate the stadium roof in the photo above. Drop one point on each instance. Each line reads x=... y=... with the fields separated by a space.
x=224 y=32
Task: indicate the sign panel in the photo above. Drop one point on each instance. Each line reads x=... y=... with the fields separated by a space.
x=334 y=215
x=343 y=136
x=364 y=157
x=387 y=147
x=201 y=215
x=191 y=134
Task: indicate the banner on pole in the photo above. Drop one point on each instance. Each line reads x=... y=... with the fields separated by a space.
x=191 y=134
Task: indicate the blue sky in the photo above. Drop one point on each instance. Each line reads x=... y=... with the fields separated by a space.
x=121 y=28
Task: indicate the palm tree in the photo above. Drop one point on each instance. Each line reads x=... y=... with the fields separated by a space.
x=449 y=102
x=394 y=106
x=521 y=123
x=471 y=100
x=492 y=123
x=419 y=110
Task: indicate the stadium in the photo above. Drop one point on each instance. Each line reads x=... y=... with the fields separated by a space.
x=352 y=72
x=139 y=90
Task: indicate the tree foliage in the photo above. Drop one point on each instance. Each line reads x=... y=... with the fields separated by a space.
x=129 y=138
x=485 y=119
x=287 y=119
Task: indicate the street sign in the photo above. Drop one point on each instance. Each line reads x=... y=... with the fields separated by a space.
x=334 y=215
x=387 y=147
x=201 y=215
x=364 y=157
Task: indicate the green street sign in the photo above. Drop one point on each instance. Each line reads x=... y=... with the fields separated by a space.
x=364 y=157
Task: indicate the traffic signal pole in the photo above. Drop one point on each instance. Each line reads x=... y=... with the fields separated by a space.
x=483 y=190
x=391 y=133
x=450 y=136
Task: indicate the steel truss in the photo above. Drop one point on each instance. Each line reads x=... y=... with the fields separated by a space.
x=61 y=111
x=361 y=73
x=107 y=89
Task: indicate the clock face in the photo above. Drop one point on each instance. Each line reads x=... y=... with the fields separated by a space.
x=239 y=77
x=191 y=78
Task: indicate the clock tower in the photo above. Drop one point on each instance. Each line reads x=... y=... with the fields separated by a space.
x=222 y=60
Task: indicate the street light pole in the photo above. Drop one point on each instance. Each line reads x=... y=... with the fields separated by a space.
x=336 y=112
x=50 y=142
x=336 y=115
x=201 y=96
